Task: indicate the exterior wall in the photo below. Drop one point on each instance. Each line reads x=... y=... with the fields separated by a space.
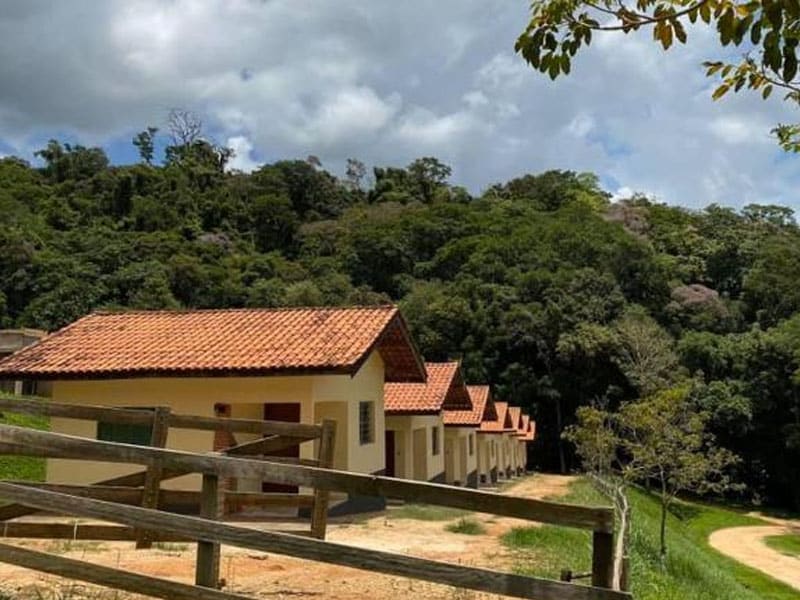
x=460 y=466
x=319 y=396
x=413 y=446
x=488 y=456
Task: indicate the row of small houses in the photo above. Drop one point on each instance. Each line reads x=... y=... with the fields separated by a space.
x=396 y=414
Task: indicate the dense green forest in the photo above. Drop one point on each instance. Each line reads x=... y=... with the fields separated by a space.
x=541 y=285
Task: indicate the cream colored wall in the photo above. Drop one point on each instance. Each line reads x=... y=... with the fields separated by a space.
x=246 y=395
x=486 y=462
x=365 y=386
x=458 y=462
x=404 y=427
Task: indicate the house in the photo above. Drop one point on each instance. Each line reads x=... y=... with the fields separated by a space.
x=522 y=444
x=525 y=437
x=415 y=436
x=460 y=431
x=12 y=340
x=515 y=414
x=497 y=434
x=482 y=411
x=299 y=364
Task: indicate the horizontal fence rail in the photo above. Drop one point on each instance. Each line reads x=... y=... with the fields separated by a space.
x=212 y=532
x=18 y=440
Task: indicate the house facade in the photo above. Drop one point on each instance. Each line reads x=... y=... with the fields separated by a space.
x=11 y=341
x=471 y=463
x=495 y=435
x=416 y=441
x=299 y=365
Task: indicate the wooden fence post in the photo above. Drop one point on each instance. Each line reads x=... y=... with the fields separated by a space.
x=207 y=567
x=602 y=559
x=319 y=513
x=152 y=479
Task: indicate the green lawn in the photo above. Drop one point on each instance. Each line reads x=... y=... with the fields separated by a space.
x=22 y=467
x=694 y=570
x=788 y=544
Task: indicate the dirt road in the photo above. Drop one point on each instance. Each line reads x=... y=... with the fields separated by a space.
x=273 y=576
x=746 y=545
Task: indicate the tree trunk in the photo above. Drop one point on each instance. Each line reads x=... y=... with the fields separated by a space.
x=663 y=549
x=559 y=426
x=622 y=546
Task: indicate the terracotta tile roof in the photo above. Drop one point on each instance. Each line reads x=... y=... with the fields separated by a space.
x=482 y=408
x=515 y=414
x=233 y=342
x=444 y=389
x=502 y=423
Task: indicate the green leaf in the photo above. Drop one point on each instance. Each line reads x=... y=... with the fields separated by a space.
x=789 y=66
x=766 y=92
x=720 y=91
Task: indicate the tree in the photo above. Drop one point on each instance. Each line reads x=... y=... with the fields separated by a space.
x=646 y=355
x=145 y=142
x=667 y=440
x=662 y=438
x=185 y=127
x=356 y=171
x=558 y=29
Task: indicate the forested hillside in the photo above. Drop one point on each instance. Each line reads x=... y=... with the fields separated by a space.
x=541 y=285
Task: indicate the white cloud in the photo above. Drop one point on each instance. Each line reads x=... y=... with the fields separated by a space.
x=243 y=154
x=387 y=82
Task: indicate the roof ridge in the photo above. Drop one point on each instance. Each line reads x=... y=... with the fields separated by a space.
x=180 y=311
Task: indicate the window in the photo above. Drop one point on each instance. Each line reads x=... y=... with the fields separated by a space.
x=140 y=435
x=366 y=422
x=435 y=449
x=471 y=444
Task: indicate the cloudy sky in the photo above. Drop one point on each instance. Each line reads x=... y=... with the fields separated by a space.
x=386 y=82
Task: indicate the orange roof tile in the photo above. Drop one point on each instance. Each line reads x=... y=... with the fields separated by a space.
x=482 y=408
x=515 y=413
x=502 y=423
x=222 y=343
x=444 y=389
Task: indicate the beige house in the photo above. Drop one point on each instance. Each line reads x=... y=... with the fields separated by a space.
x=496 y=436
x=299 y=365
x=12 y=340
x=525 y=435
x=482 y=410
x=416 y=443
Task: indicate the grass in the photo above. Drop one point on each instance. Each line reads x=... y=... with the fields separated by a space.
x=466 y=526
x=788 y=544
x=693 y=570
x=26 y=468
x=424 y=512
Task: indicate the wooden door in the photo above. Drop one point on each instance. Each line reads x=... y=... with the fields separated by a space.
x=290 y=413
x=390 y=450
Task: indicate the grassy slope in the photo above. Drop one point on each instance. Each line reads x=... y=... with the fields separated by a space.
x=788 y=544
x=22 y=467
x=694 y=570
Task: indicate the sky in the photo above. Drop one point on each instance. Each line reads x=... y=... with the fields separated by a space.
x=386 y=82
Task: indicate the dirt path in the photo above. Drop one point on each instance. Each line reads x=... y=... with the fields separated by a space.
x=746 y=544
x=264 y=575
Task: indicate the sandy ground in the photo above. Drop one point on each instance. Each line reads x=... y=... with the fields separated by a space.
x=746 y=544
x=263 y=575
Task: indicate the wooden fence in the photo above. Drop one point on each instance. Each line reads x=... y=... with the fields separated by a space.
x=144 y=488
x=209 y=532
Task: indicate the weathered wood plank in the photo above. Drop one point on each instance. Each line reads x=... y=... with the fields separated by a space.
x=132 y=416
x=14 y=511
x=59 y=445
x=267 y=445
x=106 y=576
x=80 y=531
x=152 y=478
x=602 y=559
x=319 y=513
x=312 y=549
x=208 y=552
x=304 y=430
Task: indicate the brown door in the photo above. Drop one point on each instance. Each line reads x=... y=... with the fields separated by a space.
x=390 y=453
x=290 y=413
